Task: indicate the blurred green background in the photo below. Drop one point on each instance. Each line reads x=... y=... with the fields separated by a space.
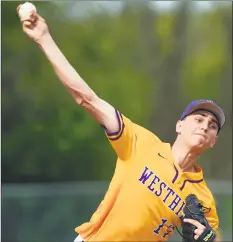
x=148 y=59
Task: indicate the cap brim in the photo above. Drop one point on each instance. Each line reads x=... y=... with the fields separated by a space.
x=213 y=108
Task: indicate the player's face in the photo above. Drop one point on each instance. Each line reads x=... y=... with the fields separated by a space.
x=199 y=130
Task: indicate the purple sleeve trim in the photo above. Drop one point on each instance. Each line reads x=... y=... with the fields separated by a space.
x=119 y=125
x=121 y=129
x=118 y=137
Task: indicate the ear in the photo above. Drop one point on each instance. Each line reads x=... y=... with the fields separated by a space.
x=178 y=126
x=214 y=141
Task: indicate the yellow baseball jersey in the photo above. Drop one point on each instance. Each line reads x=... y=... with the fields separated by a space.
x=146 y=195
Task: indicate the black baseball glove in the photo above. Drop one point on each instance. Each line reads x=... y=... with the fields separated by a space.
x=193 y=209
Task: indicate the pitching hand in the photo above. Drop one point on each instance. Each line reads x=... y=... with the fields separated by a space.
x=34 y=26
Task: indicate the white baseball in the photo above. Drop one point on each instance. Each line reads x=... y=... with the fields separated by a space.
x=26 y=10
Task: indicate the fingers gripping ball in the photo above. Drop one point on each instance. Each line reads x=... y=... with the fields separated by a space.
x=26 y=10
x=193 y=209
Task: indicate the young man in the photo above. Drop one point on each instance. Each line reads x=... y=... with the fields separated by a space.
x=146 y=196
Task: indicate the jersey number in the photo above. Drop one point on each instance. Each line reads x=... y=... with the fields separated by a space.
x=163 y=222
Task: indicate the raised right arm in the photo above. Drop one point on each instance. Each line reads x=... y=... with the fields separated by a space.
x=36 y=28
x=119 y=129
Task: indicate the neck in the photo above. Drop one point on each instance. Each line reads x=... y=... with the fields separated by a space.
x=185 y=157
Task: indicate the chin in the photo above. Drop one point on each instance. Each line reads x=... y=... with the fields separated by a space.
x=198 y=144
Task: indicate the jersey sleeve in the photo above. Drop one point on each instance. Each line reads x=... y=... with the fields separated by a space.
x=213 y=219
x=123 y=139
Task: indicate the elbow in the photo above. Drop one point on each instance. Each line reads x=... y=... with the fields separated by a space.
x=87 y=99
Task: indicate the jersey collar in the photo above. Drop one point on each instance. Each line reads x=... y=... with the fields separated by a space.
x=166 y=152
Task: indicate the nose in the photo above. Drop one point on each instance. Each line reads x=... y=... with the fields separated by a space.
x=205 y=126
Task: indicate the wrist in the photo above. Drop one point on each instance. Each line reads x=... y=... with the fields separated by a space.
x=45 y=41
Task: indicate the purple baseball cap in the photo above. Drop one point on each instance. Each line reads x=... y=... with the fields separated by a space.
x=207 y=105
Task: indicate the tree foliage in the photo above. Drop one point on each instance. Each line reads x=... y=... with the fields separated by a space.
x=148 y=64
